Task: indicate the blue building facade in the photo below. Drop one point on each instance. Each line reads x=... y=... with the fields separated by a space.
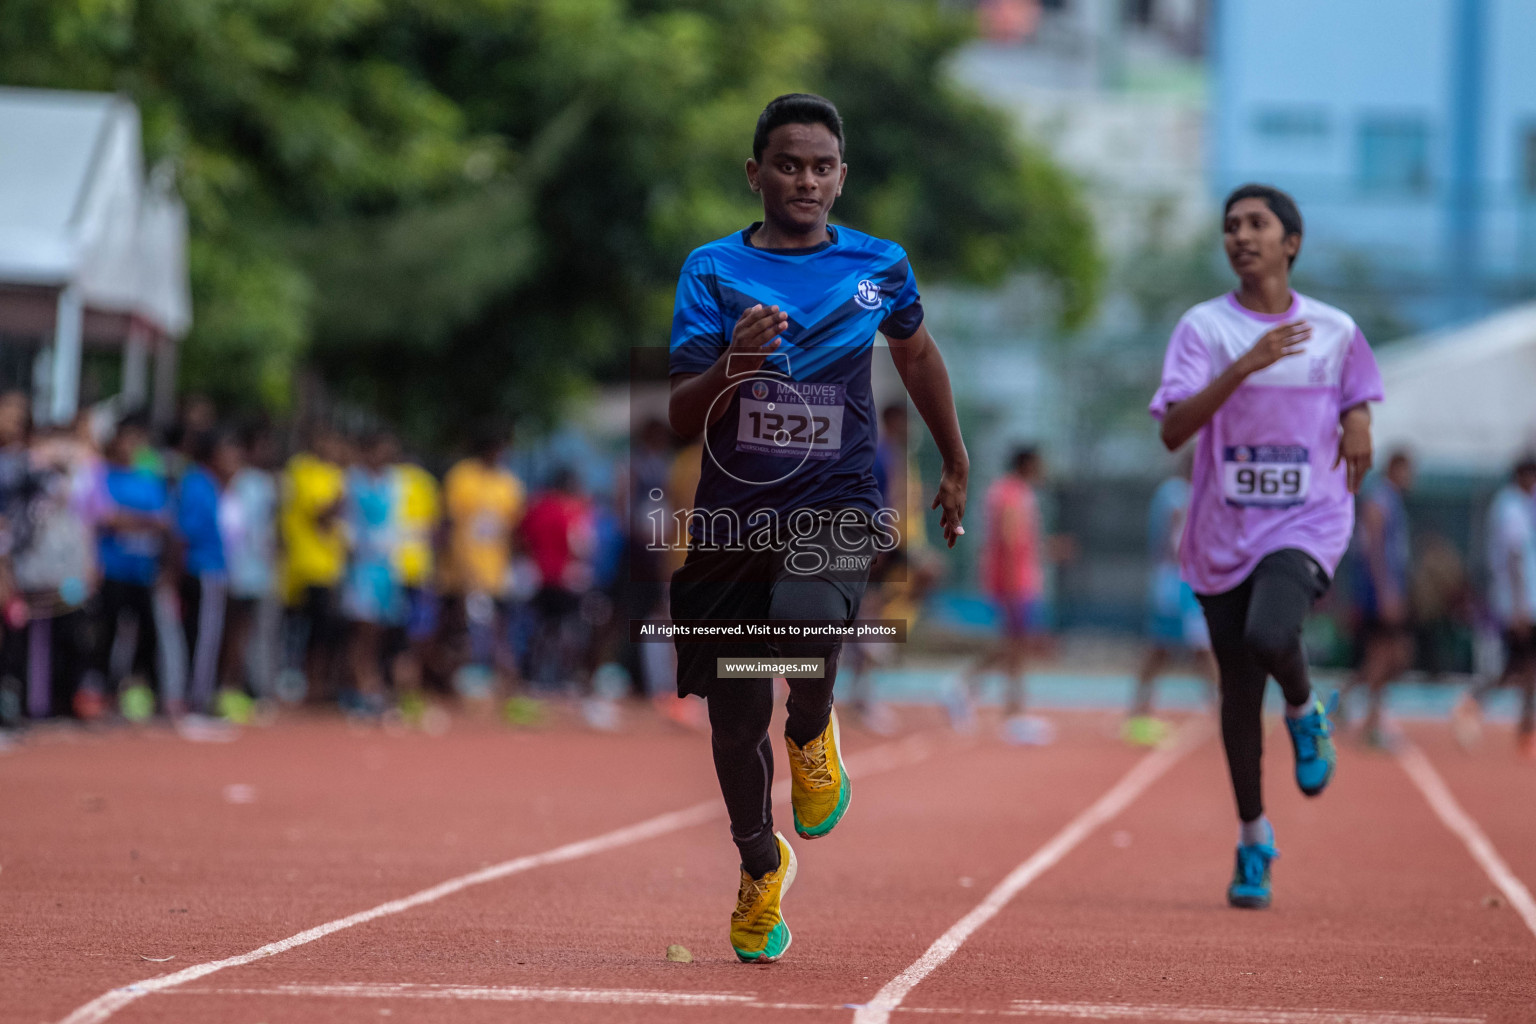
x=1406 y=129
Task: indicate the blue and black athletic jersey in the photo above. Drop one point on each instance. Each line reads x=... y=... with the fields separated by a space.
x=800 y=432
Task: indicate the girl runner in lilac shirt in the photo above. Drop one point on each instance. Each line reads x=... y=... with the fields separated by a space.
x=1275 y=384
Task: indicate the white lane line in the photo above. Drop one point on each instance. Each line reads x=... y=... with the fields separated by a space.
x=879 y=759
x=510 y=994
x=498 y=994
x=1143 y=774
x=1156 y=1013
x=1461 y=824
x=1166 y=1014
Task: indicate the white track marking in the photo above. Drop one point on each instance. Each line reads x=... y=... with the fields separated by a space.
x=1158 y=1013
x=497 y=994
x=1143 y=774
x=1460 y=822
x=879 y=759
x=1165 y=1014
x=511 y=994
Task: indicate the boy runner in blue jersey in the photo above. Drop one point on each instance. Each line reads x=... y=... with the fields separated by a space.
x=770 y=360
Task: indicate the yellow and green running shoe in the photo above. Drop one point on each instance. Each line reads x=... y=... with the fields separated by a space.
x=819 y=789
x=136 y=701
x=523 y=711
x=1144 y=731
x=234 y=706
x=758 y=931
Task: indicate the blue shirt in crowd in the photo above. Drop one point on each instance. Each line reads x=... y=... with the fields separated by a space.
x=133 y=556
x=197 y=518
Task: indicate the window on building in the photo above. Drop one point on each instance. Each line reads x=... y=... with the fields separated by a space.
x=1292 y=124
x=1394 y=155
x=1139 y=12
x=1528 y=163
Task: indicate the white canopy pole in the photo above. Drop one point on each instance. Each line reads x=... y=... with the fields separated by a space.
x=136 y=366
x=64 y=395
x=42 y=383
x=163 y=404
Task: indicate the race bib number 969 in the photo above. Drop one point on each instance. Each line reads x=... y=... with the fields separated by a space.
x=791 y=419
x=1266 y=475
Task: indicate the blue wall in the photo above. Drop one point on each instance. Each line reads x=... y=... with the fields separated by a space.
x=1354 y=108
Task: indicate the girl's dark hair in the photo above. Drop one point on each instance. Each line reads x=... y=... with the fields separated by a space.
x=796 y=108
x=1280 y=204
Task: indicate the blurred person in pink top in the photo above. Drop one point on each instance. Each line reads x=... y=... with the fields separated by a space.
x=1011 y=569
x=1013 y=577
x=1274 y=385
x=558 y=536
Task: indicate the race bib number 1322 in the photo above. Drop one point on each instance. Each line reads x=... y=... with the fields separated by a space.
x=1266 y=475
x=791 y=419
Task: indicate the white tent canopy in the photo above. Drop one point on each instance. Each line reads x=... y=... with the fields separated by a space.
x=79 y=221
x=1463 y=399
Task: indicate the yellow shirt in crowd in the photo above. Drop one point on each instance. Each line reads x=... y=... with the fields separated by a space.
x=314 y=553
x=484 y=504
x=417 y=511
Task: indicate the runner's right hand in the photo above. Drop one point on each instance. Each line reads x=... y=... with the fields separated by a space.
x=1288 y=339
x=756 y=335
x=951 y=498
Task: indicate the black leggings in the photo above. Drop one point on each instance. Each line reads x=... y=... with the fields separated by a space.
x=116 y=597
x=1256 y=633
x=740 y=711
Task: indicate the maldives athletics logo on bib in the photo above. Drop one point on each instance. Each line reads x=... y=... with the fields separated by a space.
x=868 y=294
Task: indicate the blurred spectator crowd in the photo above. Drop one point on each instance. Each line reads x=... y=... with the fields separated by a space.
x=201 y=571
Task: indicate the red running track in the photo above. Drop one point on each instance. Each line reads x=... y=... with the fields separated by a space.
x=122 y=849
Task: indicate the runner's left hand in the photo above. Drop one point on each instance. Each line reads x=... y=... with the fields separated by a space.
x=1355 y=449
x=951 y=498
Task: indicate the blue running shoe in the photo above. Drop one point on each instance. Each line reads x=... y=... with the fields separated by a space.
x=1250 y=880
x=1312 y=739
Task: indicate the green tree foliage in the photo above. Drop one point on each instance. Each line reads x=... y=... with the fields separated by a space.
x=458 y=207
x=271 y=118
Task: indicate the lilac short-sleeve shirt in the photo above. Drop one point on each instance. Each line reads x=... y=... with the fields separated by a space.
x=1264 y=476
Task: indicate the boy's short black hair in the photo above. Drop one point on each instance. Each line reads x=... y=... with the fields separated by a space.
x=1024 y=458
x=1526 y=465
x=1280 y=204
x=796 y=108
